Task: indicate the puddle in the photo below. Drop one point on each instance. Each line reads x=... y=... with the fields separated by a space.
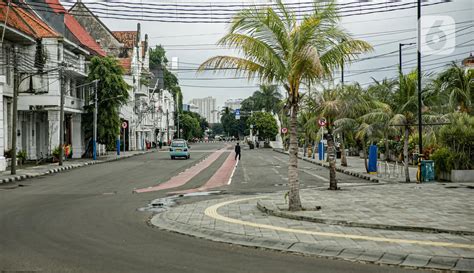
x=163 y=204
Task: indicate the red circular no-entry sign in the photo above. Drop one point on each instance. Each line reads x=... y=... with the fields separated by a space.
x=124 y=125
x=284 y=130
x=322 y=122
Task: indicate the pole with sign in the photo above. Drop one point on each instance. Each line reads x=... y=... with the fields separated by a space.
x=322 y=124
x=124 y=126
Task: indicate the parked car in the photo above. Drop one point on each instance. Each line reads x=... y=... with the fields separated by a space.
x=179 y=148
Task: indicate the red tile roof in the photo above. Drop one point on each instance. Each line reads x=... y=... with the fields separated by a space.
x=25 y=22
x=76 y=29
x=126 y=64
x=128 y=38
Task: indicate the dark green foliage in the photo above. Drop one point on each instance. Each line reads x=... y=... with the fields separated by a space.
x=191 y=126
x=265 y=124
x=112 y=93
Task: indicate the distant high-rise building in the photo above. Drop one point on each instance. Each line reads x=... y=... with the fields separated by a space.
x=206 y=107
x=233 y=103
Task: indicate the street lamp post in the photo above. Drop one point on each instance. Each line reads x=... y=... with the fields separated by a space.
x=94 y=140
x=400 y=47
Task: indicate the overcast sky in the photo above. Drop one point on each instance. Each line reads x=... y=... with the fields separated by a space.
x=194 y=43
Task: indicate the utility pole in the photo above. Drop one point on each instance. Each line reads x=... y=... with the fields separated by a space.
x=61 y=114
x=94 y=140
x=16 y=86
x=177 y=115
x=420 y=122
x=167 y=126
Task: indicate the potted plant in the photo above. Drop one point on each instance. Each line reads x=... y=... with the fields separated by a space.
x=21 y=157
x=56 y=153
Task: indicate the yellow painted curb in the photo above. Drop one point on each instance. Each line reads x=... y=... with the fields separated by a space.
x=212 y=212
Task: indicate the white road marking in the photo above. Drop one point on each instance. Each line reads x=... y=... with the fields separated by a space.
x=232 y=174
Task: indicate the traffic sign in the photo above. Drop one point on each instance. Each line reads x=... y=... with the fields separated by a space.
x=322 y=122
x=237 y=113
x=181 y=130
x=284 y=130
x=124 y=125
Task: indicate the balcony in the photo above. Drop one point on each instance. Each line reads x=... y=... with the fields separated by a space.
x=75 y=64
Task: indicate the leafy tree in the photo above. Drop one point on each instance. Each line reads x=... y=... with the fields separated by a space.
x=158 y=60
x=265 y=124
x=190 y=125
x=280 y=49
x=268 y=98
x=217 y=129
x=112 y=93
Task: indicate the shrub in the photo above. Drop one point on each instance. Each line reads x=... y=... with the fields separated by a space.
x=56 y=152
x=441 y=159
x=21 y=156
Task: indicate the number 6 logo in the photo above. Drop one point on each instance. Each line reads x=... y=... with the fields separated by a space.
x=438 y=35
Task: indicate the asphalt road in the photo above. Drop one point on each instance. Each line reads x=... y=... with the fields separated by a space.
x=86 y=220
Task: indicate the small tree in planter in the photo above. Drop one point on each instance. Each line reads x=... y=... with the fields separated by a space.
x=21 y=157
x=56 y=154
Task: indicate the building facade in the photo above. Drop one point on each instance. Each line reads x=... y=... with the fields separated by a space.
x=206 y=107
x=233 y=103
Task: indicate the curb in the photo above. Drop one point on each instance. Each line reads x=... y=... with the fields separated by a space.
x=338 y=169
x=275 y=211
x=58 y=169
x=410 y=261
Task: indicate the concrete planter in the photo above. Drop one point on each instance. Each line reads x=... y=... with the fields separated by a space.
x=457 y=176
x=462 y=175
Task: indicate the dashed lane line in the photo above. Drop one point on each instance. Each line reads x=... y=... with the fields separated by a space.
x=212 y=212
x=305 y=171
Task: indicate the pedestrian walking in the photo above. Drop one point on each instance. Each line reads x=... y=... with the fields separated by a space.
x=237 y=151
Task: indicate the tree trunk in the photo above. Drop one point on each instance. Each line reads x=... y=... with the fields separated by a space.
x=405 y=155
x=365 y=156
x=343 y=152
x=332 y=163
x=294 y=192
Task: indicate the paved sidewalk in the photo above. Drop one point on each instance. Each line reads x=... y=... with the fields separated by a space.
x=45 y=169
x=425 y=207
x=356 y=167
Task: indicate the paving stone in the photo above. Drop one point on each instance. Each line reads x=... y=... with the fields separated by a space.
x=370 y=256
x=464 y=265
x=307 y=248
x=442 y=262
x=392 y=258
x=416 y=260
x=350 y=254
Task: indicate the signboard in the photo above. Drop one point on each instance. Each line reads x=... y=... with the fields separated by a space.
x=322 y=122
x=284 y=130
x=124 y=125
x=237 y=113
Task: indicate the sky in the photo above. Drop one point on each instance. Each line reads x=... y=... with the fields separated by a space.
x=193 y=43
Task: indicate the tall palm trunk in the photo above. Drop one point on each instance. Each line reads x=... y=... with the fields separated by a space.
x=387 y=149
x=364 y=148
x=293 y=195
x=332 y=163
x=405 y=155
x=343 y=152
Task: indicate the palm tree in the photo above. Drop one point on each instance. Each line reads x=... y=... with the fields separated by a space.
x=354 y=102
x=382 y=93
x=278 y=48
x=406 y=107
x=457 y=85
x=269 y=97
